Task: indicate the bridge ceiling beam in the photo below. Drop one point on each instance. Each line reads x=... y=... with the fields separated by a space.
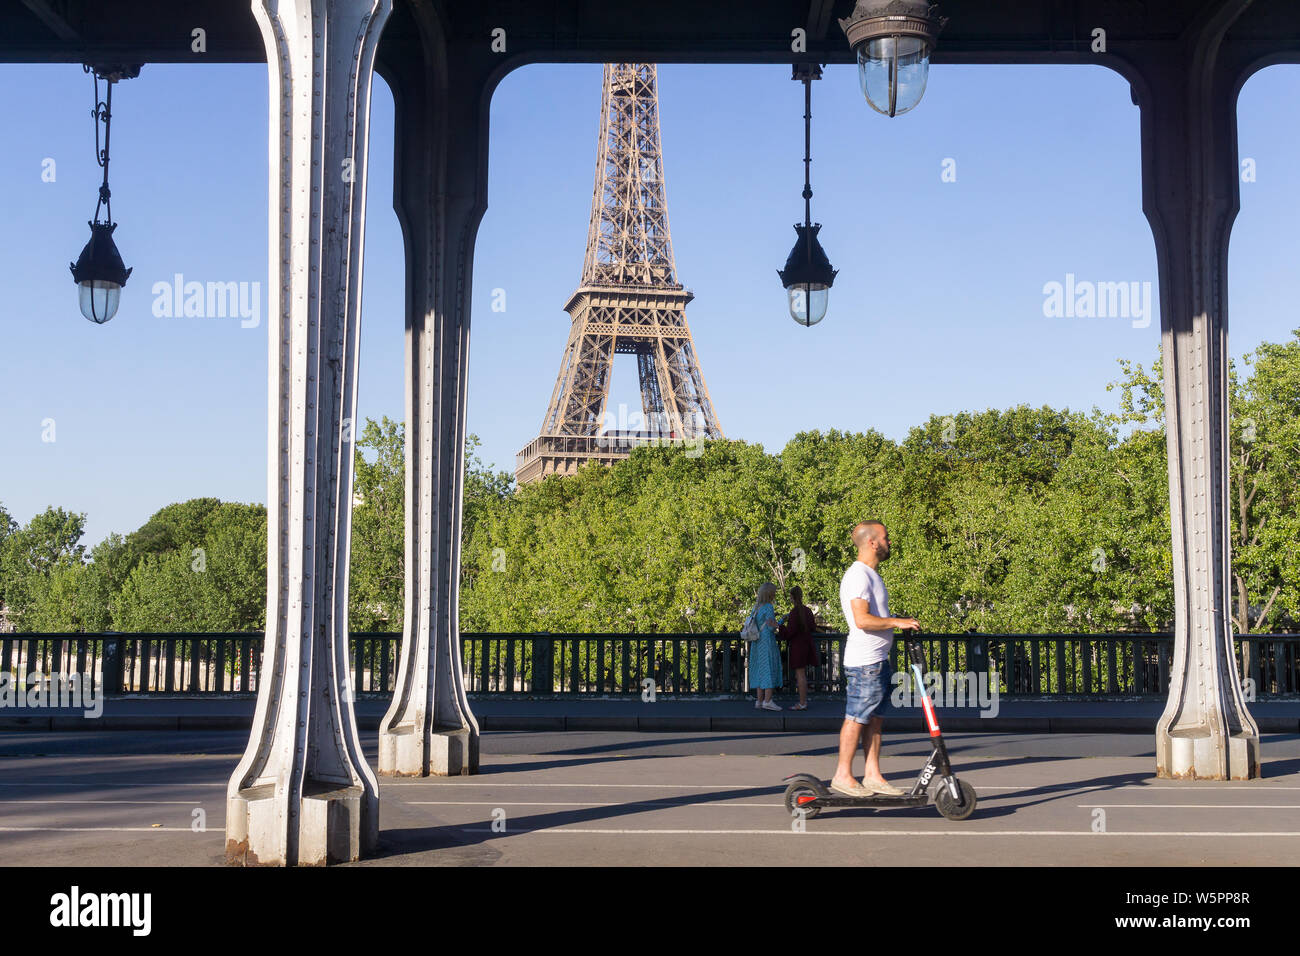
x=676 y=31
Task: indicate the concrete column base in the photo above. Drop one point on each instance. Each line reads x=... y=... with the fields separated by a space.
x=453 y=751
x=1202 y=755
x=339 y=824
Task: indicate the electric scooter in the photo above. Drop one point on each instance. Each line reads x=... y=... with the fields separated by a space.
x=953 y=798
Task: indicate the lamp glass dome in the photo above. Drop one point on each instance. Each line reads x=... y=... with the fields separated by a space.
x=808 y=301
x=892 y=71
x=98 y=299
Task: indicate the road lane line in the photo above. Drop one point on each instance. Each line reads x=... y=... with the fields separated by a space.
x=558 y=803
x=177 y=803
x=98 y=830
x=78 y=784
x=1194 y=806
x=869 y=833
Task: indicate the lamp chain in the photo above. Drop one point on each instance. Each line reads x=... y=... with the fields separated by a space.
x=102 y=111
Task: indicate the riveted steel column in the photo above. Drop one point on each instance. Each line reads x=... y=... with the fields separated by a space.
x=302 y=793
x=440 y=198
x=1190 y=196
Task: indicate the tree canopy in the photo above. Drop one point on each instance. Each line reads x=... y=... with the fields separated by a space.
x=1018 y=520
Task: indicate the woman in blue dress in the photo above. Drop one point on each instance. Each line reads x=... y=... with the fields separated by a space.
x=764 y=656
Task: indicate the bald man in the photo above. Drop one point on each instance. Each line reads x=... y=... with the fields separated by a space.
x=867 y=669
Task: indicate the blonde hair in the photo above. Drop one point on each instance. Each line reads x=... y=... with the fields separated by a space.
x=766 y=592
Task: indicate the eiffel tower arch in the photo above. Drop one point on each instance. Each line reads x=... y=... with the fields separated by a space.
x=629 y=302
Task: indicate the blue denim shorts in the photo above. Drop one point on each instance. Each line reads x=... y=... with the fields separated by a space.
x=868 y=689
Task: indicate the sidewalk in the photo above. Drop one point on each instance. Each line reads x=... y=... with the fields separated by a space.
x=665 y=714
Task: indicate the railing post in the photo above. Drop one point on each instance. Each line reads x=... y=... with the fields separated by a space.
x=114 y=652
x=543 y=665
x=977 y=654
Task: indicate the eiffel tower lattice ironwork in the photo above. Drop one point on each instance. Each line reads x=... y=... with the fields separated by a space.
x=629 y=302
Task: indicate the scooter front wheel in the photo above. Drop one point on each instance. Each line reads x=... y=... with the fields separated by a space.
x=955 y=809
x=794 y=804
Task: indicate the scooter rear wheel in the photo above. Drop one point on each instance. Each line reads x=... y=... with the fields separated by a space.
x=954 y=809
x=794 y=792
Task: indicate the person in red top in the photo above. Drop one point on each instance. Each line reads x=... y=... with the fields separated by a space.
x=798 y=629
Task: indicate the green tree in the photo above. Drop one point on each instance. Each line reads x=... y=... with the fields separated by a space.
x=1264 y=501
x=377 y=575
x=1264 y=473
x=32 y=552
x=202 y=567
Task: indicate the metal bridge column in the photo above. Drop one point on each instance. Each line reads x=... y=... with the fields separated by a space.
x=302 y=793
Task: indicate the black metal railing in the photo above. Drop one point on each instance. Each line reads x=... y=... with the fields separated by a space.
x=594 y=665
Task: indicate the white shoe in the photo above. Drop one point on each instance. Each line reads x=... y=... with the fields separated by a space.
x=768 y=705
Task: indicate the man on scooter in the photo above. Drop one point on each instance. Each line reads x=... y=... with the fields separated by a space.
x=867 y=669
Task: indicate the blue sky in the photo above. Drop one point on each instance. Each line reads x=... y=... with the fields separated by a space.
x=938 y=306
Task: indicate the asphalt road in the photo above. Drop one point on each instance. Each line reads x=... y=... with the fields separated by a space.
x=648 y=799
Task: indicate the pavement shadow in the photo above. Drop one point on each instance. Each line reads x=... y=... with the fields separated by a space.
x=1048 y=793
x=1280 y=768
x=400 y=840
x=628 y=750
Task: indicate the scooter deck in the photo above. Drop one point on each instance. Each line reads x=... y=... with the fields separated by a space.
x=834 y=799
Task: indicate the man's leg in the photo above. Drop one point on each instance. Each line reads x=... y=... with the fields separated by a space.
x=871 y=748
x=850 y=734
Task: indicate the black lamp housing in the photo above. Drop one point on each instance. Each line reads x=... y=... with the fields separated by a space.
x=808 y=263
x=100 y=260
x=100 y=273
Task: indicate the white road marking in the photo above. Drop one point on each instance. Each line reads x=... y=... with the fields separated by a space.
x=178 y=803
x=870 y=833
x=446 y=781
x=1191 y=787
x=557 y=803
x=97 y=830
x=1195 y=806
x=92 y=786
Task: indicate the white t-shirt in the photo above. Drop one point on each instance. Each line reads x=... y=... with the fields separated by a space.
x=865 y=647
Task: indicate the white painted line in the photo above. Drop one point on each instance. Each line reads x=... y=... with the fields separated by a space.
x=556 y=803
x=871 y=833
x=1195 y=806
x=96 y=830
x=83 y=785
x=1079 y=785
x=178 y=803
x=446 y=781
x=1190 y=787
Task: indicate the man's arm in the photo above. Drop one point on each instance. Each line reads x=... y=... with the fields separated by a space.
x=867 y=621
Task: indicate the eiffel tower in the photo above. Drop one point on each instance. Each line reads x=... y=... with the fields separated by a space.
x=629 y=302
